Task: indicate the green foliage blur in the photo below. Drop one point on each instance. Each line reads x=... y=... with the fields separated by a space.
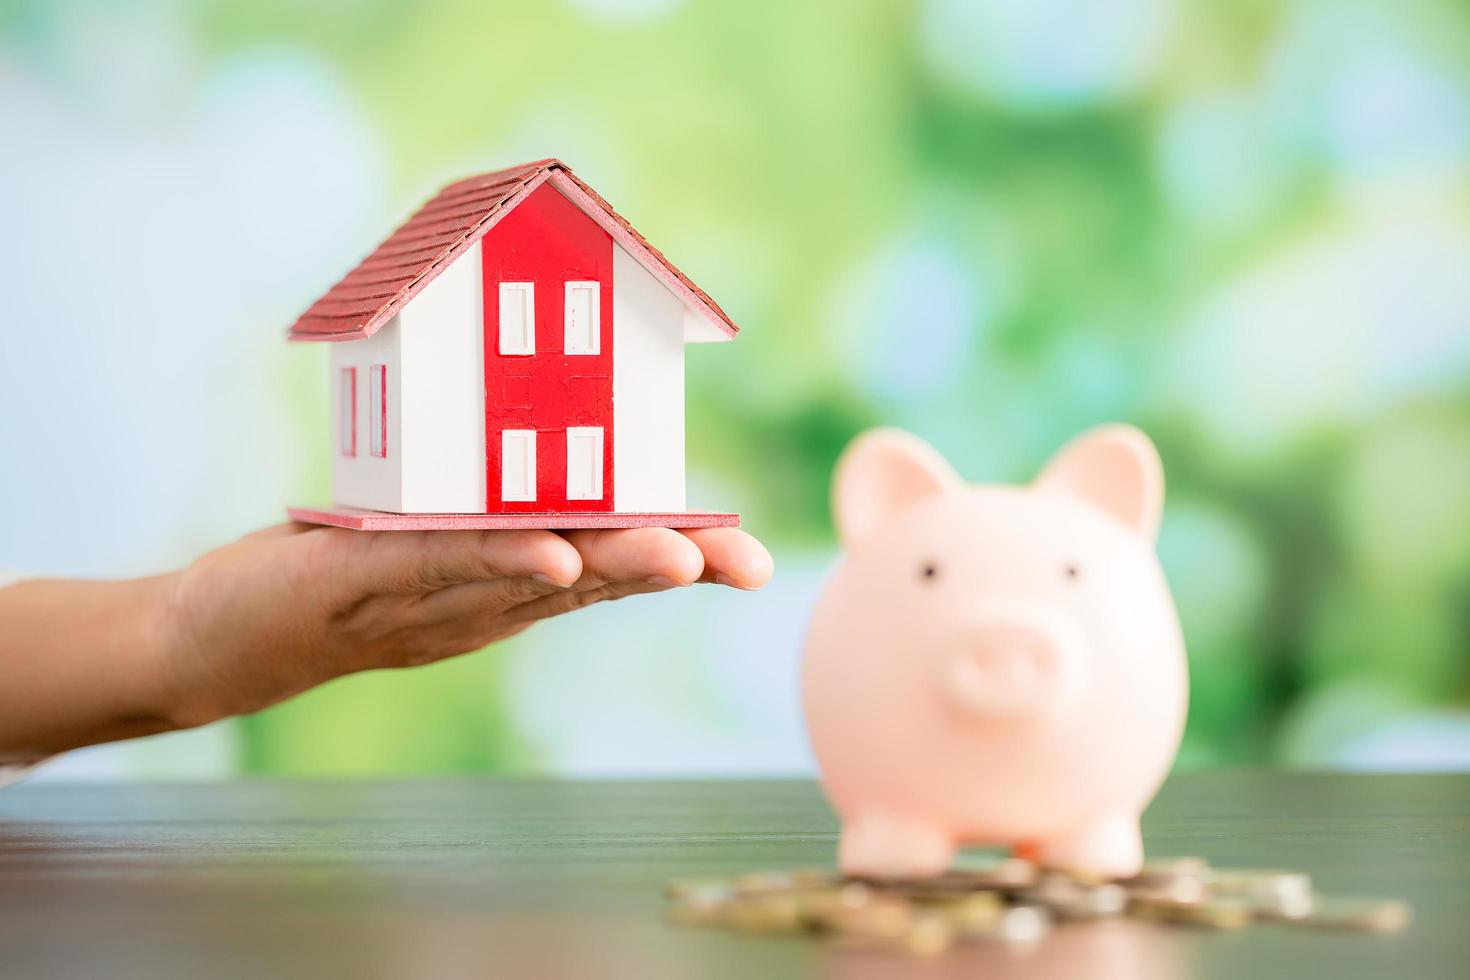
x=996 y=258
x=1244 y=227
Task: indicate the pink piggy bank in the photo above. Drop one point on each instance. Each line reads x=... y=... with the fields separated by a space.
x=995 y=665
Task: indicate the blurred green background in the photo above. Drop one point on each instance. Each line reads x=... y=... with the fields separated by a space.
x=1243 y=226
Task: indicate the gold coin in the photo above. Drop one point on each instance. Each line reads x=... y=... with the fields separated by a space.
x=1358 y=915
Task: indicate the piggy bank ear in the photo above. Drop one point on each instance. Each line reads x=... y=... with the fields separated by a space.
x=1115 y=468
x=880 y=473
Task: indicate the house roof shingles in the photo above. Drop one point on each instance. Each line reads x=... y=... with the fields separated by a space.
x=442 y=230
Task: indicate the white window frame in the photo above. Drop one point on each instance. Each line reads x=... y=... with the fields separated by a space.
x=571 y=342
x=378 y=410
x=590 y=437
x=525 y=441
x=522 y=296
x=347 y=409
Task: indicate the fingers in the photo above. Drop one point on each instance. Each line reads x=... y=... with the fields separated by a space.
x=732 y=557
x=619 y=563
x=569 y=600
x=470 y=585
x=439 y=593
x=426 y=561
x=642 y=560
x=475 y=600
x=651 y=555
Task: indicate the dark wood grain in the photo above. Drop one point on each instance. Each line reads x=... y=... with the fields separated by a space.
x=551 y=879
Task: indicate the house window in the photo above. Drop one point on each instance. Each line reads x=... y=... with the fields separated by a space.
x=518 y=464
x=517 y=318
x=378 y=410
x=347 y=412
x=583 y=318
x=584 y=463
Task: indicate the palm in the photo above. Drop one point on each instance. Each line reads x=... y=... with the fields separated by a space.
x=293 y=606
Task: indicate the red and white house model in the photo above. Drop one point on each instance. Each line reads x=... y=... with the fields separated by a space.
x=512 y=356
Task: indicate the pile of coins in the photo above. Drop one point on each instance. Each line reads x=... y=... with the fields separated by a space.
x=1013 y=900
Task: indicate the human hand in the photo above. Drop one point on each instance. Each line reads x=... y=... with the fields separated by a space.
x=293 y=606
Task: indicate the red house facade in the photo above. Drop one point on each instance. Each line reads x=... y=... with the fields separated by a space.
x=551 y=254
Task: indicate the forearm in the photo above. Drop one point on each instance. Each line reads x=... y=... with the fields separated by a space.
x=81 y=663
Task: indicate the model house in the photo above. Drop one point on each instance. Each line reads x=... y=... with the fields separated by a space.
x=512 y=355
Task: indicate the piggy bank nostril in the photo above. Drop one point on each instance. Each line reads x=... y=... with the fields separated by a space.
x=1023 y=671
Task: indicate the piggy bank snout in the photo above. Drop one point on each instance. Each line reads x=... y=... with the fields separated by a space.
x=1013 y=660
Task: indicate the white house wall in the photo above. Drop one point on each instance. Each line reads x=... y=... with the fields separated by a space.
x=365 y=480
x=444 y=393
x=700 y=329
x=648 y=391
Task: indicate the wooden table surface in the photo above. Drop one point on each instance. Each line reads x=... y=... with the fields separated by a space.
x=439 y=878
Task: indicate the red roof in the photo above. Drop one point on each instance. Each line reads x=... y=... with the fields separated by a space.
x=443 y=229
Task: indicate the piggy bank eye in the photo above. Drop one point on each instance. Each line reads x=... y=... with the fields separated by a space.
x=928 y=572
x=1073 y=573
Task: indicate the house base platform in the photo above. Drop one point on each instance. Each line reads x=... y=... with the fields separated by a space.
x=378 y=520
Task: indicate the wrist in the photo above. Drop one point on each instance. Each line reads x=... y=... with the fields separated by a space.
x=181 y=691
x=151 y=641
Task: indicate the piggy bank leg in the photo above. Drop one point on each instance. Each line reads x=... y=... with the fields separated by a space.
x=882 y=845
x=1111 y=847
